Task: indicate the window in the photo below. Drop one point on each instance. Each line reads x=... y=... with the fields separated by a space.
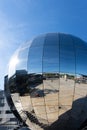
x=8 y=112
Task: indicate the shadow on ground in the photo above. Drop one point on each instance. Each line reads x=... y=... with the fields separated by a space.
x=73 y=119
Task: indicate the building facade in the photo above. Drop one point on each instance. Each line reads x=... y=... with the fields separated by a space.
x=7 y=119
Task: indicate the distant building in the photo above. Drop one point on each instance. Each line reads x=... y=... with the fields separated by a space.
x=7 y=119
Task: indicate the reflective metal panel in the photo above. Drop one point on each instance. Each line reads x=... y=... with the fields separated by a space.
x=67 y=73
x=19 y=59
x=36 y=81
x=51 y=74
x=47 y=81
x=34 y=63
x=81 y=69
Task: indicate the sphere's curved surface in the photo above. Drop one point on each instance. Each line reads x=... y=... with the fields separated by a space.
x=48 y=81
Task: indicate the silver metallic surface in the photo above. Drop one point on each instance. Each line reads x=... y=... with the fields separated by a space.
x=48 y=81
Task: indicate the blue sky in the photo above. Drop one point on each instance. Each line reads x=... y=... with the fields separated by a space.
x=21 y=20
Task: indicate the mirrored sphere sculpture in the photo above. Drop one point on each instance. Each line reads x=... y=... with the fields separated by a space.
x=47 y=82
